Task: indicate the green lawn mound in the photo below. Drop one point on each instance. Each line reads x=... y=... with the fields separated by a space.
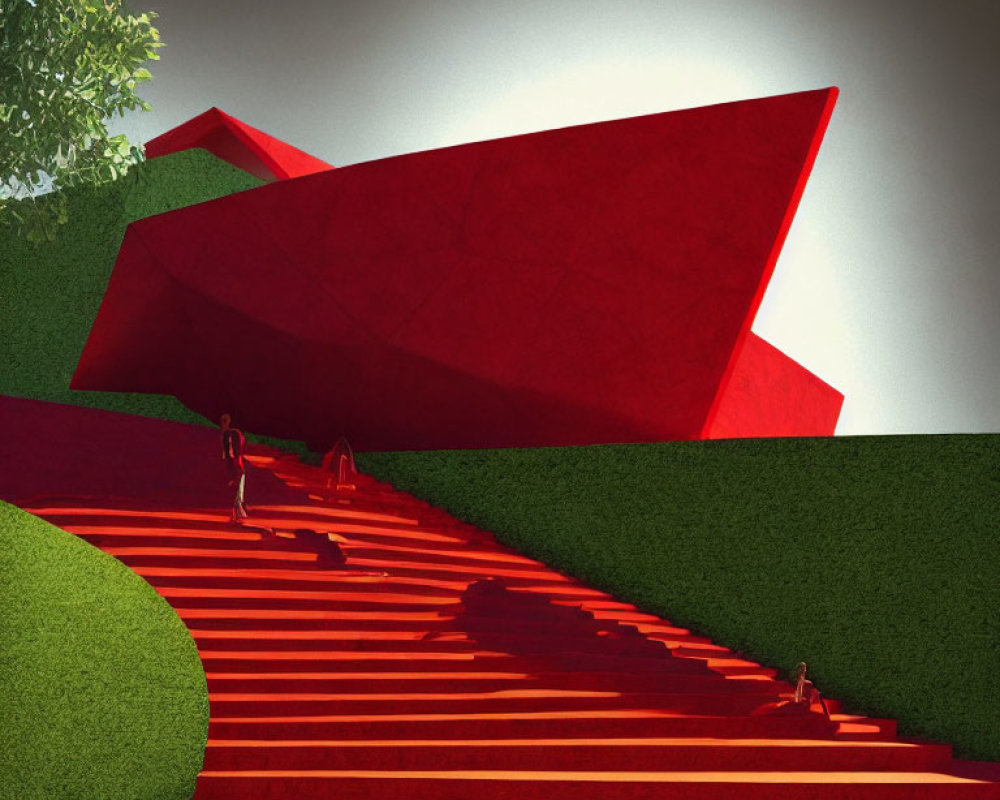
x=58 y=285
x=56 y=288
x=104 y=695
x=874 y=559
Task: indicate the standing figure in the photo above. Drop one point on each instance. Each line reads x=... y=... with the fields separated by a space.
x=233 y=443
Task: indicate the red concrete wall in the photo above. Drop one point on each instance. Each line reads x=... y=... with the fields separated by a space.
x=583 y=285
x=769 y=394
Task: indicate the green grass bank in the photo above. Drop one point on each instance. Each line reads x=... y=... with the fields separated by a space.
x=104 y=694
x=50 y=293
x=874 y=559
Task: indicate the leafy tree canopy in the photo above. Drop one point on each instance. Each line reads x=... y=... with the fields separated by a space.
x=66 y=66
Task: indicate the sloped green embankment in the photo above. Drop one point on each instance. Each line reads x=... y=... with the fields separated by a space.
x=52 y=291
x=104 y=695
x=874 y=559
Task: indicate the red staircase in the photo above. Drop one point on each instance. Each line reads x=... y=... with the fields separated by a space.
x=435 y=664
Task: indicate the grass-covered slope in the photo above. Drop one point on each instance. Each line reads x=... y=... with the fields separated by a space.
x=104 y=695
x=50 y=293
x=874 y=559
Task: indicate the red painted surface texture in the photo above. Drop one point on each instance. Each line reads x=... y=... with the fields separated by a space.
x=583 y=285
x=238 y=143
x=56 y=450
x=771 y=395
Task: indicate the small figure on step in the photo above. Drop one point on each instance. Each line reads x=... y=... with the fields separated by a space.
x=801 y=703
x=233 y=443
x=806 y=694
x=339 y=466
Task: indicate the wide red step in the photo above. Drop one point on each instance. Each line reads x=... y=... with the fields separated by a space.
x=468 y=572
x=467 y=682
x=575 y=785
x=256 y=659
x=417 y=622
x=299 y=560
x=313 y=682
x=606 y=723
x=460 y=619
x=283 y=588
x=361 y=594
x=507 y=700
x=369 y=662
x=328 y=641
x=626 y=755
x=468 y=557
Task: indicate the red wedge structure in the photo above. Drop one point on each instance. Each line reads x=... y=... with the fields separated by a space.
x=769 y=394
x=238 y=143
x=576 y=286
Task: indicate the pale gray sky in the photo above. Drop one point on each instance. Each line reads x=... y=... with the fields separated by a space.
x=889 y=284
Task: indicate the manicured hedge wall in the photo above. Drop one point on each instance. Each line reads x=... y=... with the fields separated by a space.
x=104 y=695
x=874 y=559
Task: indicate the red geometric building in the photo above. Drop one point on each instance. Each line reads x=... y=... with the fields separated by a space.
x=584 y=285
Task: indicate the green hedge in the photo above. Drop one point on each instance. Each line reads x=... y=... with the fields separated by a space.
x=874 y=559
x=104 y=695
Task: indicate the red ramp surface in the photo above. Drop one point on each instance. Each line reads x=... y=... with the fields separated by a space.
x=582 y=285
x=57 y=450
x=362 y=644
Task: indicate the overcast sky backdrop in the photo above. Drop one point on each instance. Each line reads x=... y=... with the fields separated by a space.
x=889 y=284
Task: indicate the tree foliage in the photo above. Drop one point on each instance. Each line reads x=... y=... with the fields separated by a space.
x=66 y=67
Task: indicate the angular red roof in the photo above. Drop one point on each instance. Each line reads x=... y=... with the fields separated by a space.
x=238 y=143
